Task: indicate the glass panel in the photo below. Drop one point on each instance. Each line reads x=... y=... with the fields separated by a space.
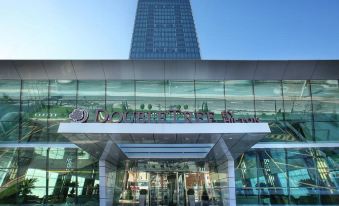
x=296 y=90
x=120 y=90
x=267 y=90
x=60 y=158
x=300 y=158
x=150 y=106
x=9 y=90
x=272 y=172
x=326 y=131
x=155 y=105
x=33 y=132
x=211 y=106
x=59 y=111
x=9 y=131
x=179 y=89
x=241 y=108
x=239 y=98
x=269 y=110
x=246 y=177
x=8 y=176
x=187 y=105
x=36 y=111
x=247 y=160
x=9 y=110
x=331 y=156
x=302 y=172
x=236 y=89
x=91 y=107
x=34 y=122
x=123 y=106
x=298 y=110
x=209 y=90
x=32 y=175
x=35 y=90
x=62 y=187
x=326 y=110
x=248 y=196
x=289 y=132
x=325 y=89
x=62 y=90
x=304 y=196
x=329 y=196
x=91 y=90
x=8 y=166
x=148 y=90
x=182 y=105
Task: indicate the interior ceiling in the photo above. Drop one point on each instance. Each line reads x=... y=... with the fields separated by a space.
x=166 y=151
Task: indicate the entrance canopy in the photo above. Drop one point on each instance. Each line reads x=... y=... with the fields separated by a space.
x=162 y=140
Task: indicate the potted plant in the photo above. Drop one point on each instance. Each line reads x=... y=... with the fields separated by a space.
x=191 y=197
x=142 y=197
x=25 y=188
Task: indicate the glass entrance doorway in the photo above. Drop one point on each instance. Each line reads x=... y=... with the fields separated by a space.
x=168 y=183
x=166 y=189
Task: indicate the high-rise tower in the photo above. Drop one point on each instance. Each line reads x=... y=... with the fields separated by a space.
x=164 y=29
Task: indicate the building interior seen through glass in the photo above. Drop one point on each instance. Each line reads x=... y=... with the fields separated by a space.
x=297 y=111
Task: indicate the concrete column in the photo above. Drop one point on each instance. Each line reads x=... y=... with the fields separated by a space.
x=226 y=172
x=231 y=183
x=107 y=176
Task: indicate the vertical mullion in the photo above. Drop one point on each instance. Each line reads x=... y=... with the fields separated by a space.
x=20 y=113
x=135 y=99
x=254 y=98
x=76 y=176
x=287 y=177
x=195 y=96
x=19 y=140
x=47 y=174
x=258 y=168
x=283 y=101
x=17 y=175
x=312 y=107
x=77 y=93
x=105 y=94
x=48 y=109
x=225 y=103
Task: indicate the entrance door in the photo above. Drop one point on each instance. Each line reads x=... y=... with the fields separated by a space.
x=166 y=189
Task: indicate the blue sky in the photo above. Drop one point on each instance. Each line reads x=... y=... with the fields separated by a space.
x=238 y=29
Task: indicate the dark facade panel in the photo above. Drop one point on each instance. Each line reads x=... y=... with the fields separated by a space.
x=170 y=70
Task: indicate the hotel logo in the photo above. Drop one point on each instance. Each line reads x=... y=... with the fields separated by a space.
x=79 y=115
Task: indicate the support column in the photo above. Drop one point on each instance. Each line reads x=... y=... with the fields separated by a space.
x=107 y=176
x=231 y=183
x=226 y=172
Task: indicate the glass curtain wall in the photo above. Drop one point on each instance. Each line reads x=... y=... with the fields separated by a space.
x=53 y=176
x=297 y=111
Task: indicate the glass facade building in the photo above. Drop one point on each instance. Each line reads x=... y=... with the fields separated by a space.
x=296 y=164
x=164 y=29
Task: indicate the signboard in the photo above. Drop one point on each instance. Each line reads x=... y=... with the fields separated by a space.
x=102 y=116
